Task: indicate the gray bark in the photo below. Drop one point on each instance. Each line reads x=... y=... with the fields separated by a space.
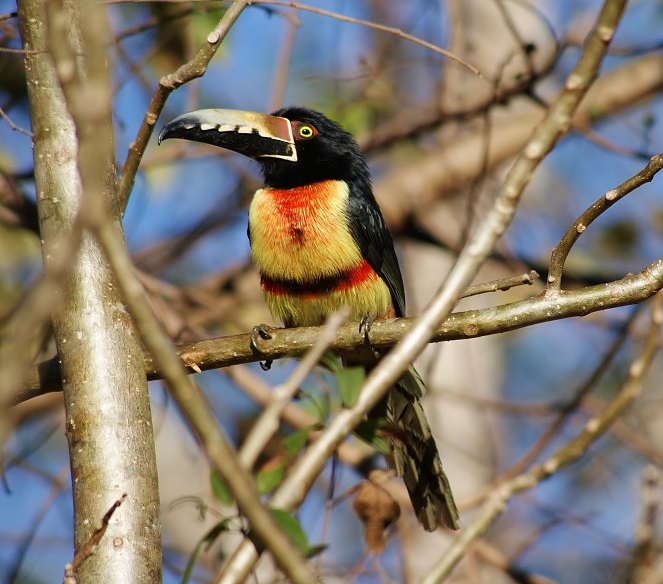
x=108 y=421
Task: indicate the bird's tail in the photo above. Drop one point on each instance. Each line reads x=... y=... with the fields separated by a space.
x=414 y=453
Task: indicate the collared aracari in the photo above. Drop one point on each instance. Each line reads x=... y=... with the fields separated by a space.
x=320 y=243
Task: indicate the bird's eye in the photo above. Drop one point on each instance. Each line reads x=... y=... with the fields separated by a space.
x=305 y=131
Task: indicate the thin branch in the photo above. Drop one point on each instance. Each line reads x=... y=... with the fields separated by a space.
x=502 y=284
x=564 y=411
x=561 y=458
x=563 y=248
x=193 y=405
x=301 y=475
x=522 y=45
x=91 y=544
x=294 y=342
x=193 y=69
x=23 y=545
x=13 y=126
x=381 y=27
x=495 y=557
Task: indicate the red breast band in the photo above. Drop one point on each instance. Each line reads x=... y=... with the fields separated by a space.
x=319 y=286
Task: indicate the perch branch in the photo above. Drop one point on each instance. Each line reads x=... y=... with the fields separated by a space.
x=563 y=457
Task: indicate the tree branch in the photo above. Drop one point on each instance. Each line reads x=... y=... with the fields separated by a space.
x=563 y=457
x=294 y=342
x=108 y=420
x=195 y=68
x=292 y=490
x=563 y=248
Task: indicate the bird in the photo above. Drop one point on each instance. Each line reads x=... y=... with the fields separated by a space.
x=320 y=243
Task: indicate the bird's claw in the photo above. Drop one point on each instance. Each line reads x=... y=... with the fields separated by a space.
x=260 y=333
x=266 y=365
x=365 y=325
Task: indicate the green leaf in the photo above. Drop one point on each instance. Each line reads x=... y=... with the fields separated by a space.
x=292 y=528
x=314 y=550
x=331 y=362
x=295 y=442
x=370 y=431
x=208 y=539
x=267 y=480
x=350 y=381
x=220 y=489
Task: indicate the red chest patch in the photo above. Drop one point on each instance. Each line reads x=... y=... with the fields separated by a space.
x=302 y=211
x=309 y=263
x=303 y=233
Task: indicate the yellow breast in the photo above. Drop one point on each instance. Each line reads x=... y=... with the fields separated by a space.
x=302 y=233
x=309 y=262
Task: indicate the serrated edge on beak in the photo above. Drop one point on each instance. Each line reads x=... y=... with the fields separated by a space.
x=234 y=130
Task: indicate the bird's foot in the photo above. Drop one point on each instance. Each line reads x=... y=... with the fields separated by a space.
x=259 y=334
x=365 y=325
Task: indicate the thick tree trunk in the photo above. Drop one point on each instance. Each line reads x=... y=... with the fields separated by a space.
x=108 y=421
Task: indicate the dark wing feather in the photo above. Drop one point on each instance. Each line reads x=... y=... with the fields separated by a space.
x=414 y=453
x=374 y=240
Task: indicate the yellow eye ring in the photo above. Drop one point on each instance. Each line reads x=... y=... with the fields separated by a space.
x=306 y=131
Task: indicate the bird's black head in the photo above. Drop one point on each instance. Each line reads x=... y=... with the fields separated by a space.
x=295 y=146
x=324 y=151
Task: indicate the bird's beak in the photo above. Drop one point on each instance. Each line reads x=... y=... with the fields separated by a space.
x=251 y=134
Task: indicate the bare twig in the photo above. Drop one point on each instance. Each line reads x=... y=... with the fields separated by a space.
x=283 y=60
x=268 y=423
x=195 y=68
x=561 y=458
x=562 y=249
x=236 y=349
x=91 y=544
x=39 y=512
x=374 y=25
x=12 y=125
x=494 y=556
x=502 y=284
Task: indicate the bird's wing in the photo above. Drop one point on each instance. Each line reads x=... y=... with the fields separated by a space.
x=376 y=245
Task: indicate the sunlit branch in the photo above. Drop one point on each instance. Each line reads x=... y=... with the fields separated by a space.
x=561 y=458
x=580 y=225
x=193 y=69
x=557 y=121
x=294 y=342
